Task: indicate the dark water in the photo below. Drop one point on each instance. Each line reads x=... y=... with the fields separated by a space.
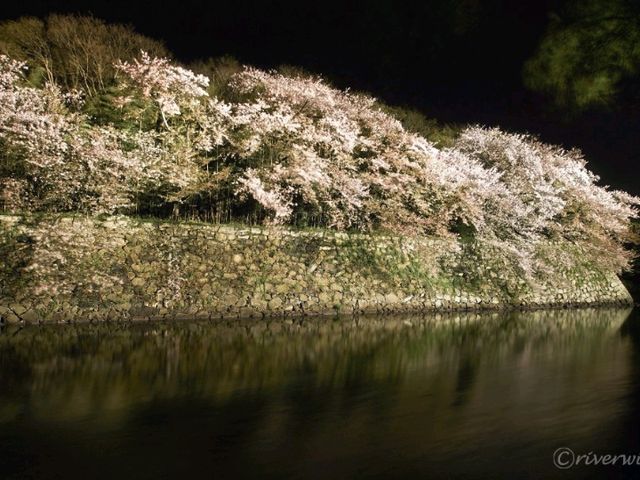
x=489 y=396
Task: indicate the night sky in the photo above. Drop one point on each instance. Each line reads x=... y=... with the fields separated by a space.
x=458 y=61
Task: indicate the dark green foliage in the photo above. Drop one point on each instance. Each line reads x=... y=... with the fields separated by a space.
x=293 y=71
x=219 y=71
x=591 y=47
x=443 y=135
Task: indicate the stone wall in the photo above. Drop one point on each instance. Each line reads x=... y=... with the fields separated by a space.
x=60 y=268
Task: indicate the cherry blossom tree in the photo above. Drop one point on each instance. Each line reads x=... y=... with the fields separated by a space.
x=34 y=128
x=291 y=150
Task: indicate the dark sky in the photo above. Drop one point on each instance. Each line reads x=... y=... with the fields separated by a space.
x=456 y=60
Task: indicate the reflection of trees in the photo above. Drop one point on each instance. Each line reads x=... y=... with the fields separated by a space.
x=629 y=432
x=290 y=398
x=83 y=369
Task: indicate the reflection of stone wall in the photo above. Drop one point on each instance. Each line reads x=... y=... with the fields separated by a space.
x=59 y=268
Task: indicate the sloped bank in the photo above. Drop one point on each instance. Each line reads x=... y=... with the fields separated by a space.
x=58 y=268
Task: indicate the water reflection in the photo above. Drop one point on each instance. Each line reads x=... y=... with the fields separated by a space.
x=375 y=396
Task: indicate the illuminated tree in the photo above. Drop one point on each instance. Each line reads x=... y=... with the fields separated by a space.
x=293 y=150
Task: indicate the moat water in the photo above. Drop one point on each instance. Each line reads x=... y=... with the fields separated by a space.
x=415 y=396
